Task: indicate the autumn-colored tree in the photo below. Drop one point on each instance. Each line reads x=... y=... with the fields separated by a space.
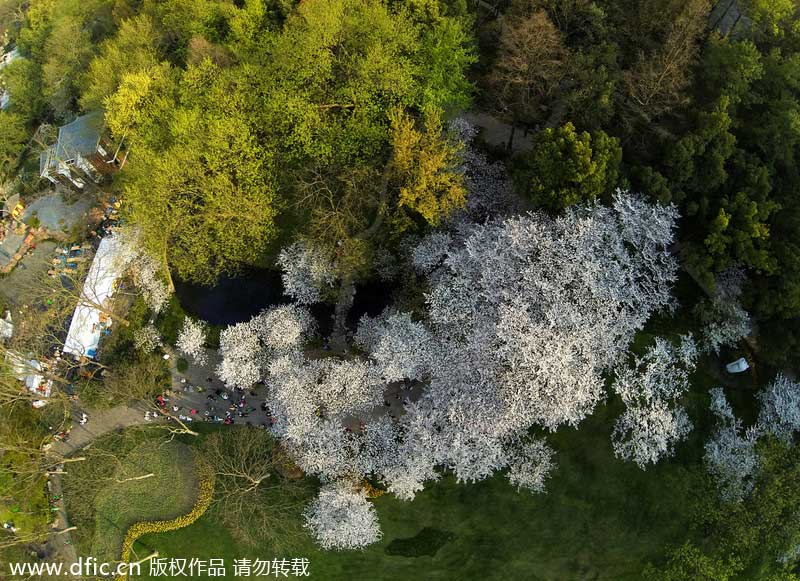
x=424 y=163
x=529 y=66
x=658 y=81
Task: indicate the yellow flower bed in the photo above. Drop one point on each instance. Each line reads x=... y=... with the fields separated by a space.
x=204 y=497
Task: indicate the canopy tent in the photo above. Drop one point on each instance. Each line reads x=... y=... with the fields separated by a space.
x=88 y=321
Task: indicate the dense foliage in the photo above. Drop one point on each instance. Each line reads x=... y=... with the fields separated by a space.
x=535 y=277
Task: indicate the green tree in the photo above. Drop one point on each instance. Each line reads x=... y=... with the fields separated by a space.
x=753 y=539
x=199 y=185
x=23 y=77
x=769 y=16
x=13 y=136
x=68 y=49
x=566 y=167
x=134 y=48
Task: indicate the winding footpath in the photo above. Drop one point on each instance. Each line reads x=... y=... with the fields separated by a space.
x=59 y=546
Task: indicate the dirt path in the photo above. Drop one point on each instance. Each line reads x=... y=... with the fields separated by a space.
x=497 y=133
x=59 y=546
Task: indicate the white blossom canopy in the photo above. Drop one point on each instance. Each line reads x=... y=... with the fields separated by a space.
x=653 y=422
x=192 y=338
x=306 y=272
x=342 y=518
x=780 y=408
x=523 y=318
x=730 y=454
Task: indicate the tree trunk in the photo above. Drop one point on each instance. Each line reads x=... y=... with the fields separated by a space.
x=347 y=291
x=510 y=145
x=170 y=282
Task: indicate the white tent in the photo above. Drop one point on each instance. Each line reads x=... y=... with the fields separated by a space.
x=88 y=323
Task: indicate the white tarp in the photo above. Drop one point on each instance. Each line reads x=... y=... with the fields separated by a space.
x=6 y=327
x=738 y=366
x=86 y=327
x=26 y=370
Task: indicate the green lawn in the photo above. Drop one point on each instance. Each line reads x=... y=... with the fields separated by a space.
x=602 y=519
x=103 y=499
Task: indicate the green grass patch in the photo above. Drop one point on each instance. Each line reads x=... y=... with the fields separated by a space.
x=602 y=518
x=104 y=498
x=30 y=512
x=425 y=543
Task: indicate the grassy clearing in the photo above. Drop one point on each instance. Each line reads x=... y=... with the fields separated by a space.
x=602 y=518
x=103 y=501
x=30 y=514
x=169 y=493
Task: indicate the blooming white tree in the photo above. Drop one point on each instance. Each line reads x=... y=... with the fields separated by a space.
x=154 y=290
x=192 y=338
x=306 y=272
x=147 y=339
x=524 y=317
x=431 y=251
x=527 y=314
x=286 y=327
x=144 y=269
x=341 y=517
x=243 y=355
x=401 y=347
x=724 y=320
x=653 y=422
x=730 y=454
x=530 y=465
x=645 y=434
x=780 y=408
x=246 y=347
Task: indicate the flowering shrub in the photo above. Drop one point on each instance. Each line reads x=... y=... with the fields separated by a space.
x=204 y=497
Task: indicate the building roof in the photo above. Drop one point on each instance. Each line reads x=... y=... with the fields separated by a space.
x=79 y=137
x=86 y=327
x=47 y=160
